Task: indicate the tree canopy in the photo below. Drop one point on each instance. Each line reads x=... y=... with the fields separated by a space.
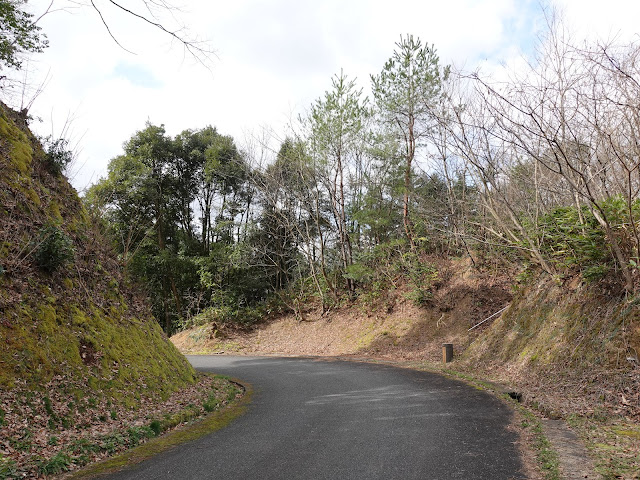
x=361 y=196
x=19 y=34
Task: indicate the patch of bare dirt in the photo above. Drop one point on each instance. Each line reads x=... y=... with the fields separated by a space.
x=391 y=326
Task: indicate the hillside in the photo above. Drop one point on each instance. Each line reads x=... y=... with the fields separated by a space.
x=78 y=345
x=386 y=324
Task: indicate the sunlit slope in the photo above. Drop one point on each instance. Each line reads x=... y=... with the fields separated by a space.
x=69 y=321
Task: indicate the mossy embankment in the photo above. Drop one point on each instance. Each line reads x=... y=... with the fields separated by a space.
x=74 y=334
x=571 y=335
x=571 y=349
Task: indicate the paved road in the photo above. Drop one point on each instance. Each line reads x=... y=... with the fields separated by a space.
x=312 y=419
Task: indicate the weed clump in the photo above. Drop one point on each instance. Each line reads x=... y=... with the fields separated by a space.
x=156 y=427
x=8 y=468
x=59 y=463
x=54 y=250
x=58 y=155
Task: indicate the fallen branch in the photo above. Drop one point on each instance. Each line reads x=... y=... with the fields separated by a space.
x=488 y=318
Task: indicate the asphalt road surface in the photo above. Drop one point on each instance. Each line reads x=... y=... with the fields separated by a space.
x=317 y=419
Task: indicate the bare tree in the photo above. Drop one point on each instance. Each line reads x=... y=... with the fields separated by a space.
x=563 y=132
x=158 y=14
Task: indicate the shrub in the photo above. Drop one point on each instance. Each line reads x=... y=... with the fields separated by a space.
x=60 y=462
x=136 y=434
x=211 y=404
x=111 y=443
x=156 y=426
x=54 y=249
x=359 y=272
x=57 y=154
x=573 y=241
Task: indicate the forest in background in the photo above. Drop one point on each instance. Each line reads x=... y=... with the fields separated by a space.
x=538 y=169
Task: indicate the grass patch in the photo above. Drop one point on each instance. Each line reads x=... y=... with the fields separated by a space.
x=545 y=454
x=614 y=443
x=8 y=468
x=59 y=463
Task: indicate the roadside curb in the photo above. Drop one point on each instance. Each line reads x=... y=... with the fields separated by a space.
x=575 y=463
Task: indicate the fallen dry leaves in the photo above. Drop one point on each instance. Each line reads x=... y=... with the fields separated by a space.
x=40 y=428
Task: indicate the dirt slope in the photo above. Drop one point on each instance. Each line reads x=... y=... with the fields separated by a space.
x=389 y=326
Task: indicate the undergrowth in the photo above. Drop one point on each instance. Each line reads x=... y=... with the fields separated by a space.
x=82 y=449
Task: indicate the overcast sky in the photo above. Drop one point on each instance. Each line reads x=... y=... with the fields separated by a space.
x=273 y=58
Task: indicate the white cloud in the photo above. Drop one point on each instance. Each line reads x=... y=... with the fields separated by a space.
x=600 y=20
x=273 y=57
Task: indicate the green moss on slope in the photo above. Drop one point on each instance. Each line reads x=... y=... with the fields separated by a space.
x=82 y=324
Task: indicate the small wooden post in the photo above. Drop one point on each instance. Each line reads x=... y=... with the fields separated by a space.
x=447 y=352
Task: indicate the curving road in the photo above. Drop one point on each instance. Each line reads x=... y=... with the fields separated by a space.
x=318 y=419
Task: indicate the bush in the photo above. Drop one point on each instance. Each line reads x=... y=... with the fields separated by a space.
x=211 y=404
x=156 y=427
x=57 y=154
x=359 y=273
x=422 y=278
x=59 y=463
x=230 y=315
x=54 y=249
x=136 y=434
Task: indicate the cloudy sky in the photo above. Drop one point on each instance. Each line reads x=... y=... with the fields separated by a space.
x=272 y=59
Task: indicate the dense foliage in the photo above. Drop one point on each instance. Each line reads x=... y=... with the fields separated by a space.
x=364 y=191
x=18 y=33
x=54 y=248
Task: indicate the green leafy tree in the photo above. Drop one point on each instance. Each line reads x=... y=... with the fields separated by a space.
x=18 y=34
x=379 y=210
x=151 y=199
x=123 y=202
x=216 y=178
x=152 y=148
x=337 y=128
x=405 y=92
x=142 y=206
